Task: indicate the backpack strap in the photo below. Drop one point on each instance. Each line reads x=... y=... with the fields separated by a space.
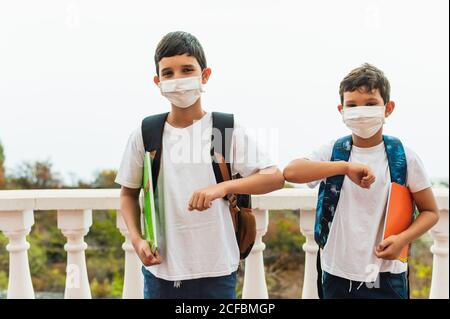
x=152 y=132
x=330 y=191
x=223 y=124
x=396 y=158
x=319 y=276
x=398 y=170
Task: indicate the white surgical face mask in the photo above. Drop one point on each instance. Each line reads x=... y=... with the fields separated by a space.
x=364 y=121
x=182 y=92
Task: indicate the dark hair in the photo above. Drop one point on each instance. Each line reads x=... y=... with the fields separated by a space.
x=366 y=77
x=178 y=43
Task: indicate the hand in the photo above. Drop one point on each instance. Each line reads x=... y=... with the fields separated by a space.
x=202 y=199
x=145 y=254
x=390 y=248
x=360 y=174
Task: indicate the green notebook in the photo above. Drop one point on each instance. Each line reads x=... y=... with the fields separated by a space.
x=150 y=222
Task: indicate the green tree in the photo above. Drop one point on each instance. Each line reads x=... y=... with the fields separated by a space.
x=103 y=179
x=37 y=175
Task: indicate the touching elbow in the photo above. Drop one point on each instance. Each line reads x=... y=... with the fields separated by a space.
x=290 y=175
x=280 y=181
x=274 y=179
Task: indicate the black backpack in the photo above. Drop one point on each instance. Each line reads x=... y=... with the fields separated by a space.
x=239 y=204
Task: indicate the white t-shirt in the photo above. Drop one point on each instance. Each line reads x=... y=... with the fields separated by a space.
x=358 y=223
x=194 y=244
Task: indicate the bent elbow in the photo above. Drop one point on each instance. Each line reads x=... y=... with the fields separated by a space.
x=290 y=175
x=279 y=181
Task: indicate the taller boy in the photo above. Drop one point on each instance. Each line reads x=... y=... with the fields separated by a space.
x=198 y=255
x=356 y=172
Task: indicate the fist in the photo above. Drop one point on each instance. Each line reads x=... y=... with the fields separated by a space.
x=360 y=174
x=145 y=254
x=390 y=248
x=202 y=199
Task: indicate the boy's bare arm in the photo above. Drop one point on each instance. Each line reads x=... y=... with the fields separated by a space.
x=391 y=247
x=130 y=209
x=129 y=206
x=306 y=171
x=264 y=181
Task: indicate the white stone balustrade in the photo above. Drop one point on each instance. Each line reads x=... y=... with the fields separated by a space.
x=133 y=285
x=440 y=281
x=16 y=225
x=76 y=209
x=74 y=225
x=254 y=280
x=74 y=219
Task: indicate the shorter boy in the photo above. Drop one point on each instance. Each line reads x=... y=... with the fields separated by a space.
x=356 y=174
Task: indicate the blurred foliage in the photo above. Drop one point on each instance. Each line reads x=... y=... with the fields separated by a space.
x=420 y=266
x=105 y=242
x=3 y=280
x=104 y=179
x=283 y=256
x=283 y=233
x=3 y=262
x=34 y=175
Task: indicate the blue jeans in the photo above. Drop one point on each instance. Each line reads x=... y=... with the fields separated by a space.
x=202 y=288
x=387 y=286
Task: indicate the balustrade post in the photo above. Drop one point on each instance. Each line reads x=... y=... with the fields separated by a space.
x=307 y=218
x=16 y=225
x=439 y=280
x=74 y=225
x=255 y=286
x=133 y=285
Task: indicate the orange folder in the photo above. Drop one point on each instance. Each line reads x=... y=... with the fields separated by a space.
x=399 y=214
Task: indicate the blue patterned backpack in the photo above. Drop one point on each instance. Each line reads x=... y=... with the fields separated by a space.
x=330 y=190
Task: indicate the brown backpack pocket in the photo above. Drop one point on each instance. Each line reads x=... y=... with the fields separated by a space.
x=244 y=223
x=246 y=231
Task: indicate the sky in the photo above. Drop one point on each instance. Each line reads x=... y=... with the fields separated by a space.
x=76 y=77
